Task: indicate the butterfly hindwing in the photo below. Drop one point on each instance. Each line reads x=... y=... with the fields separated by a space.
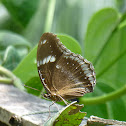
x=73 y=76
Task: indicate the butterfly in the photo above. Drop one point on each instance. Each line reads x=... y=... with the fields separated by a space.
x=64 y=74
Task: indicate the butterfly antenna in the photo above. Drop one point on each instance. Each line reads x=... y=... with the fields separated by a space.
x=31 y=88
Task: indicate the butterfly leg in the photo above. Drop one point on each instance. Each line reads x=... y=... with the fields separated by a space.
x=63 y=99
x=49 y=109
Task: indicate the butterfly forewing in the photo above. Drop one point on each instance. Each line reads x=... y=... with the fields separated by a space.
x=47 y=55
x=61 y=71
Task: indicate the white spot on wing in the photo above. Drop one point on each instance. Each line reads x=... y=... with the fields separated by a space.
x=91 y=78
x=48 y=59
x=85 y=68
x=91 y=66
x=44 y=41
x=86 y=61
x=52 y=59
x=38 y=64
x=72 y=57
x=80 y=62
x=86 y=72
x=84 y=65
x=41 y=42
x=66 y=57
x=76 y=59
x=88 y=75
x=44 y=60
x=57 y=66
x=92 y=82
x=80 y=57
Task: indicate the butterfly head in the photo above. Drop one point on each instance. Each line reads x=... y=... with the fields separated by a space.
x=52 y=97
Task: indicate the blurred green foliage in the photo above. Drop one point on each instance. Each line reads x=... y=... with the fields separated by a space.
x=98 y=30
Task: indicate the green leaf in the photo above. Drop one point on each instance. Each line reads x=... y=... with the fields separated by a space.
x=113 y=71
x=27 y=69
x=68 y=116
x=21 y=45
x=10 y=38
x=11 y=58
x=70 y=43
x=99 y=30
x=105 y=46
x=113 y=58
x=21 y=10
x=34 y=86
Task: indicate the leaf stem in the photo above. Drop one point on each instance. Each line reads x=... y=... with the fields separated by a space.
x=103 y=48
x=50 y=15
x=105 y=98
x=16 y=81
x=5 y=80
x=112 y=63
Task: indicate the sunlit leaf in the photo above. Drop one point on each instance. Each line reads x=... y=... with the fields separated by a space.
x=99 y=30
x=105 y=46
x=68 y=116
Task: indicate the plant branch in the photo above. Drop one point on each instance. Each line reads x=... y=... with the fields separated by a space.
x=5 y=80
x=105 y=98
x=16 y=81
x=50 y=15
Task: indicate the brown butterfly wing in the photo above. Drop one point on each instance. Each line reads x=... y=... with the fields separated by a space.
x=48 y=53
x=73 y=76
x=61 y=71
